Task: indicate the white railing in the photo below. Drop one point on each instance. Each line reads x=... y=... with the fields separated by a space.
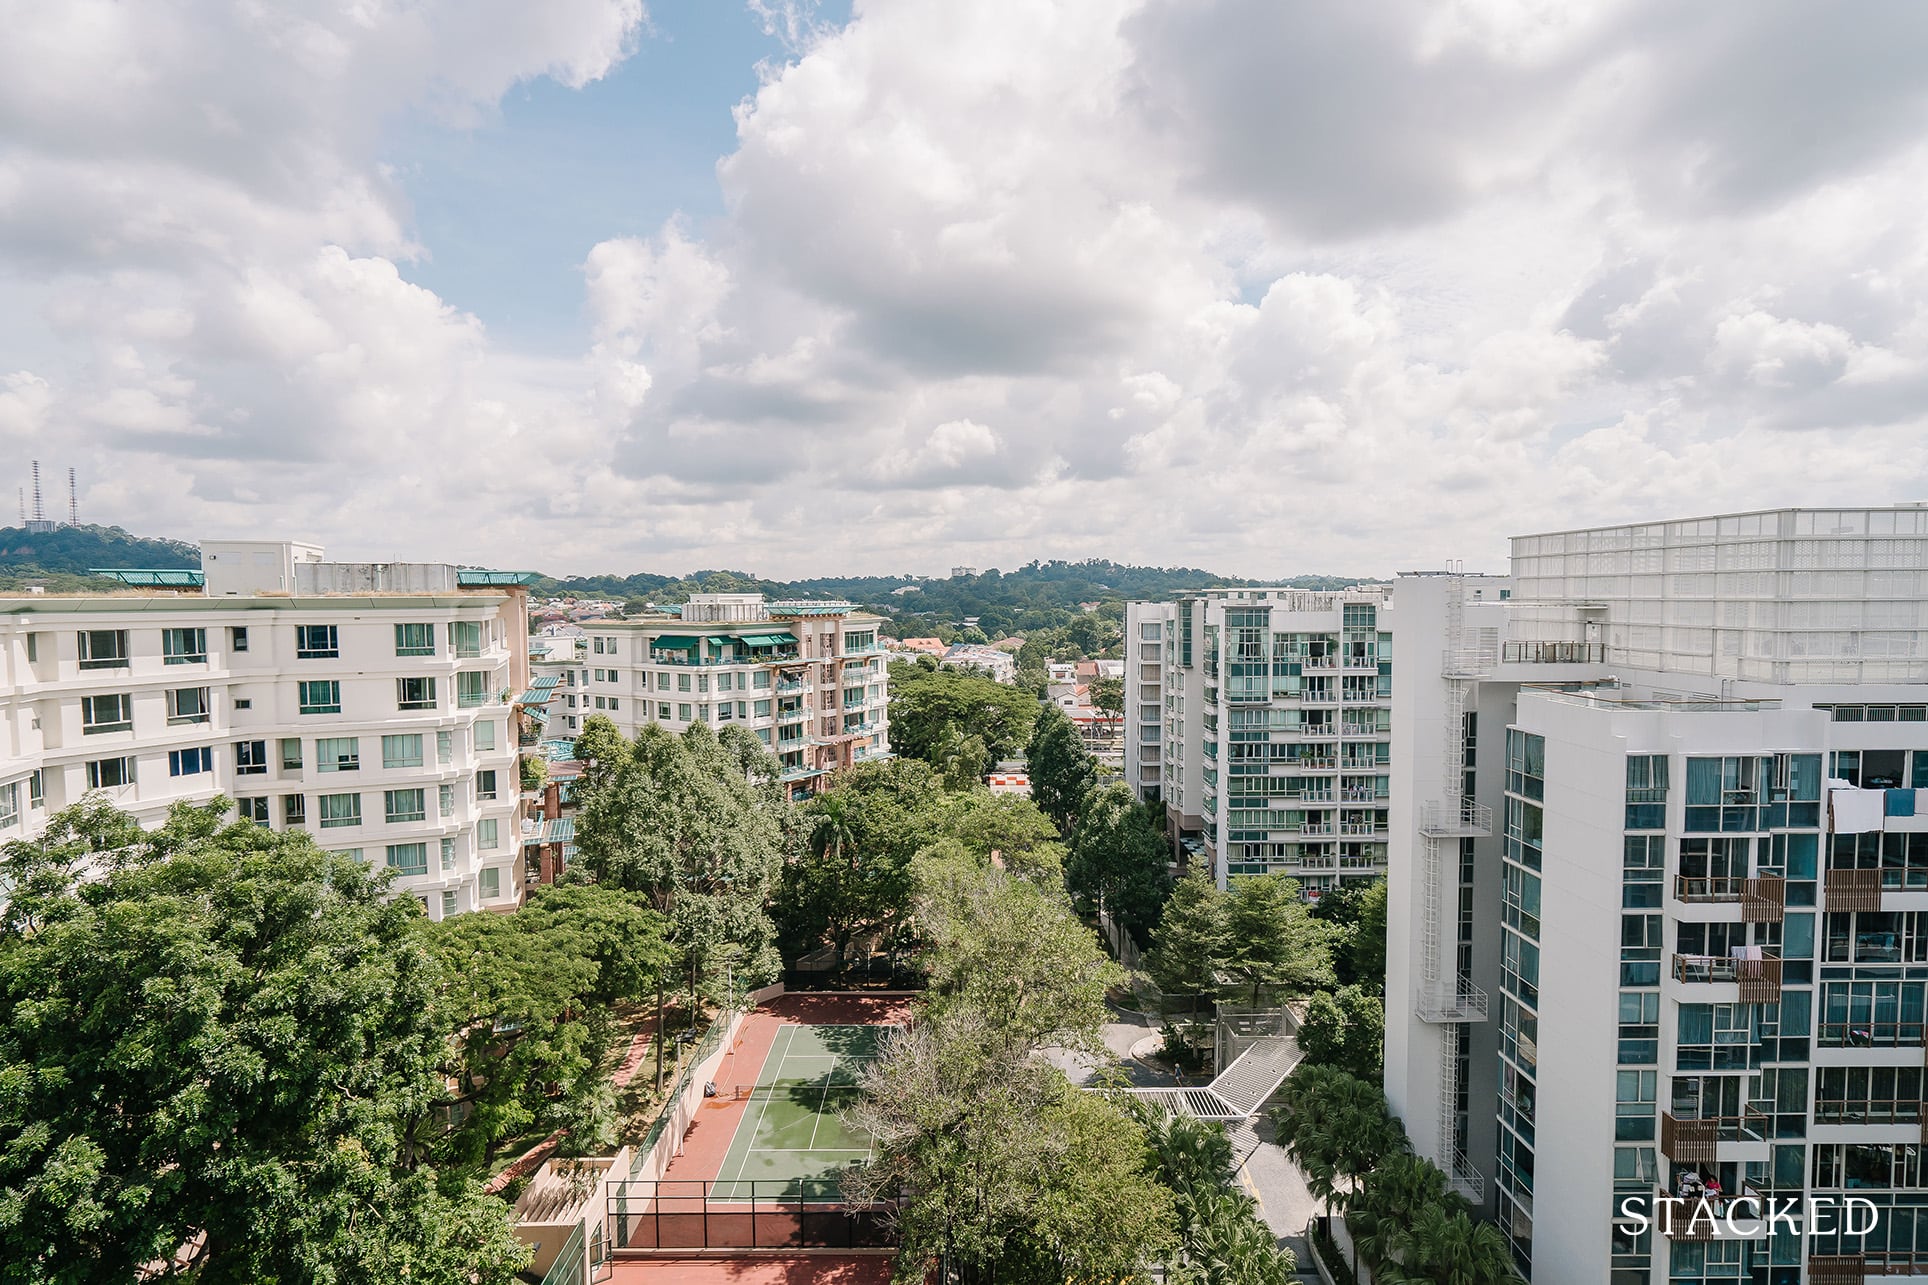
x=1466 y=819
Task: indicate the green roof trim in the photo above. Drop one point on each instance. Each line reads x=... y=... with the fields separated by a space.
x=719 y=640
x=768 y=640
x=673 y=642
x=167 y=578
x=476 y=578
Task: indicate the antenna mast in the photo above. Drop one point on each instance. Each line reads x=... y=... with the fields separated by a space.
x=38 y=513
x=73 y=500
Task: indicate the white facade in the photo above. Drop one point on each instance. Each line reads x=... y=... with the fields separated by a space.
x=1273 y=749
x=1674 y=919
x=808 y=679
x=381 y=724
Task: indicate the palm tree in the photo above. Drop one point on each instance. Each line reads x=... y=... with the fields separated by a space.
x=1439 y=1246
x=833 y=829
x=1336 y=1127
x=1385 y=1199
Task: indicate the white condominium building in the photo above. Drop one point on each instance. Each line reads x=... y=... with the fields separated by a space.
x=368 y=703
x=1659 y=897
x=808 y=678
x=1262 y=719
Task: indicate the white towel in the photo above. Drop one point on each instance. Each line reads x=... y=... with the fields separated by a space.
x=1853 y=811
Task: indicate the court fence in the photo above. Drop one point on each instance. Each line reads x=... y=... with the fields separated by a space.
x=664 y=1140
x=688 y=1214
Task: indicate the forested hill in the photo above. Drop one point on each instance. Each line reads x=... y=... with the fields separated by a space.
x=62 y=557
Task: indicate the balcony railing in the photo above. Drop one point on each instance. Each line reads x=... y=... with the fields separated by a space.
x=1870 y=1035
x=1553 y=653
x=1444 y=820
x=1763 y=898
x=1360 y=829
x=1451 y=1001
x=1318 y=662
x=1703 y=1218
x=1759 y=979
x=1853 y=890
x=1694 y=1141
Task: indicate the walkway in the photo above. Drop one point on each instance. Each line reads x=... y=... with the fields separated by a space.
x=1238 y=1091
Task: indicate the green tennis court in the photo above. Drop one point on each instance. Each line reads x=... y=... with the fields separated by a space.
x=790 y=1140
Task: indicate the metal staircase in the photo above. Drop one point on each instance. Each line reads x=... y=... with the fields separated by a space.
x=1445 y=998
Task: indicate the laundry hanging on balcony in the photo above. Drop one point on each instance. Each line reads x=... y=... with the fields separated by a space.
x=1854 y=811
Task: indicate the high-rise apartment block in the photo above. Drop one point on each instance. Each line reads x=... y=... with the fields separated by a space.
x=1261 y=721
x=369 y=703
x=1659 y=894
x=807 y=678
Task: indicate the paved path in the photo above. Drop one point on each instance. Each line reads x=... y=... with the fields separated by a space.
x=1287 y=1206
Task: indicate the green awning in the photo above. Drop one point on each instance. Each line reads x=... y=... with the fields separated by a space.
x=719 y=640
x=768 y=640
x=673 y=642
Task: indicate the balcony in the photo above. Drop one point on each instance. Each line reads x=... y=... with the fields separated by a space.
x=1320 y=697
x=1466 y=663
x=1696 y=1141
x=1853 y=890
x=1362 y=829
x=1307 y=663
x=1759 y=979
x=1763 y=899
x=1315 y=829
x=1553 y=653
x=1363 y=698
x=1467 y=819
x=1447 y=1002
x=1702 y=1218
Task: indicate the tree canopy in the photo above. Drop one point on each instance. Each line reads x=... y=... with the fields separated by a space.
x=1119 y=859
x=225 y=1046
x=1062 y=771
x=933 y=711
x=1258 y=938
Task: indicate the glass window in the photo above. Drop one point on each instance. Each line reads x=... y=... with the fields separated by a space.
x=338 y=754
x=444 y=747
x=237 y=638
x=467 y=635
x=33 y=648
x=9 y=804
x=317 y=642
x=187 y=705
x=484 y=733
x=294 y=809
x=37 y=789
x=448 y=853
x=491 y=880
x=408 y=858
x=190 y=762
x=485 y=784
x=445 y=801
x=487 y=834
x=448 y=902
x=250 y=758
x=403 y=750
x=106 y=714
x=405 y=805
x=254 y=810
x=415 y=693
x=103 y=649
x=415 y=640
x=105 y=774
x=339 y=810
x=184 y=646
x=320 y=698
x=471 y=688
x=291 y=753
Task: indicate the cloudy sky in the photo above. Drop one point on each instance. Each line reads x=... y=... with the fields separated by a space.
x=805 y=289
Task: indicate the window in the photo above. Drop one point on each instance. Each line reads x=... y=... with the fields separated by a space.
x=599 y=645
x=404 y=805
x=250 y=758
x=683 y=713
x=471 y=688
x=415 y=693
x=485 y=734
x=106 y=714
x=445 y=801
x=448 y=854
x=187 y=705
x=103 y=649
x=762 y=709
x=467 y=636
x=33 y=648
x=9 y=804
x=613 y=703
x=444 y=747
x=191 y=762
x=336 y=810
x=317 y=642
x=106 y=774
x=321 y=698
x=408 y=858
x=491 y=880
x=184 y=646
x=294 y=809
x=662 y=682
x=255 y=810
x=338 y=754
x=488 y=835
x=415 y=640
x=662 y=710
x=37 y=789
x=682 y=682
x=244 y=704
x=291 y=753
x=237 y=638
x=485 y=784
x=448 y=902
x=402 y=751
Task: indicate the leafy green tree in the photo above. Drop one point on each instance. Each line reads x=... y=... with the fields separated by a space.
x=963 y=760
x=1190 y=941
x=1108 y=696
x=1336 y=1127
x=1007 y=829
x=223 y=1046
x=1272 y=940
x=1118 y=859
x=1438 y=1245
x=1365 y=951
x=1345 y=1029
x=1386 y=1198
x=1062 y=771
x=927 y=705
x=1222 y=1239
